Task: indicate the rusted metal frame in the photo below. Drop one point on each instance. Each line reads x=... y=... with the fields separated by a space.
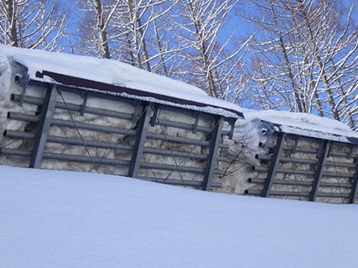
x=322 y=157
x=48 y=109
x=273 y=165
x=213 y=152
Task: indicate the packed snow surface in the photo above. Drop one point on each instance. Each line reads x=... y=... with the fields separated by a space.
x=72 y=219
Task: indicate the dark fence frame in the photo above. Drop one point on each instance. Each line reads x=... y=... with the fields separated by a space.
x=145 y=115
x=276 y=155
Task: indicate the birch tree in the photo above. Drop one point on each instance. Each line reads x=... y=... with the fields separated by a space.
x=32 y=24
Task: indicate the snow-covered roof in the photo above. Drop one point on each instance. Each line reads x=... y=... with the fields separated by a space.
x=305 y=125
x=117 y=78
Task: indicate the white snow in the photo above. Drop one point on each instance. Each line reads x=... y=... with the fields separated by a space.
x=297 y=119
x=304 y=124
x=72 y=219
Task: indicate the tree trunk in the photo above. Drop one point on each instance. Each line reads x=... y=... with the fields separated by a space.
x=11 y=8
x=101 y=30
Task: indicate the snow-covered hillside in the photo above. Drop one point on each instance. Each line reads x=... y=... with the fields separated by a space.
x=71 y=219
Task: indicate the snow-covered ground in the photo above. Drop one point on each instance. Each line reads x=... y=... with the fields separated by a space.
x=72 y=219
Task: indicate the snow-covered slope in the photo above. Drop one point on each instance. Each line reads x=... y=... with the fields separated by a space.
x=69 y=219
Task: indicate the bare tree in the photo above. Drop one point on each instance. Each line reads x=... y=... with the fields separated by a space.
x=94 y=27
x=102 y=25
x=137 y=26
x=32 y=24
x=306 y=57
x=214 y=64
x=273 y=64
x=127 y=30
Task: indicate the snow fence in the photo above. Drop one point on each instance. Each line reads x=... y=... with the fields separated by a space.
x=55 y=126
x=265 y=161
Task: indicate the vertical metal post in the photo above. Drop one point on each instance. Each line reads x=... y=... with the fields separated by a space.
x=48 y=109
x=273 y=165
x=84 y=95
x=213 y=152
x=353 y=194
x=325 y=148
x=142 y=130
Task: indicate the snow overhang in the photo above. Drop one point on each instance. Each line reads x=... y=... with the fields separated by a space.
x=306 y=125
x=312 y=133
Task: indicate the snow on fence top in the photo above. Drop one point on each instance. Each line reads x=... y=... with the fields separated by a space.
x=305 y=125
x=117 y=78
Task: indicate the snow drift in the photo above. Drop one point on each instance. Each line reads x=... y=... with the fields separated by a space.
x=72 y=219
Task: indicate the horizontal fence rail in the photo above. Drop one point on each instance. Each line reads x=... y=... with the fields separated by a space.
x=62 y=127
x=306 y=169
x=138 y=147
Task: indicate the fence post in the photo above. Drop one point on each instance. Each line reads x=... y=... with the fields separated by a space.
x=273 y=165
x=320 y=168
x=213 y=152
x=48 y=108
x=142 y=130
